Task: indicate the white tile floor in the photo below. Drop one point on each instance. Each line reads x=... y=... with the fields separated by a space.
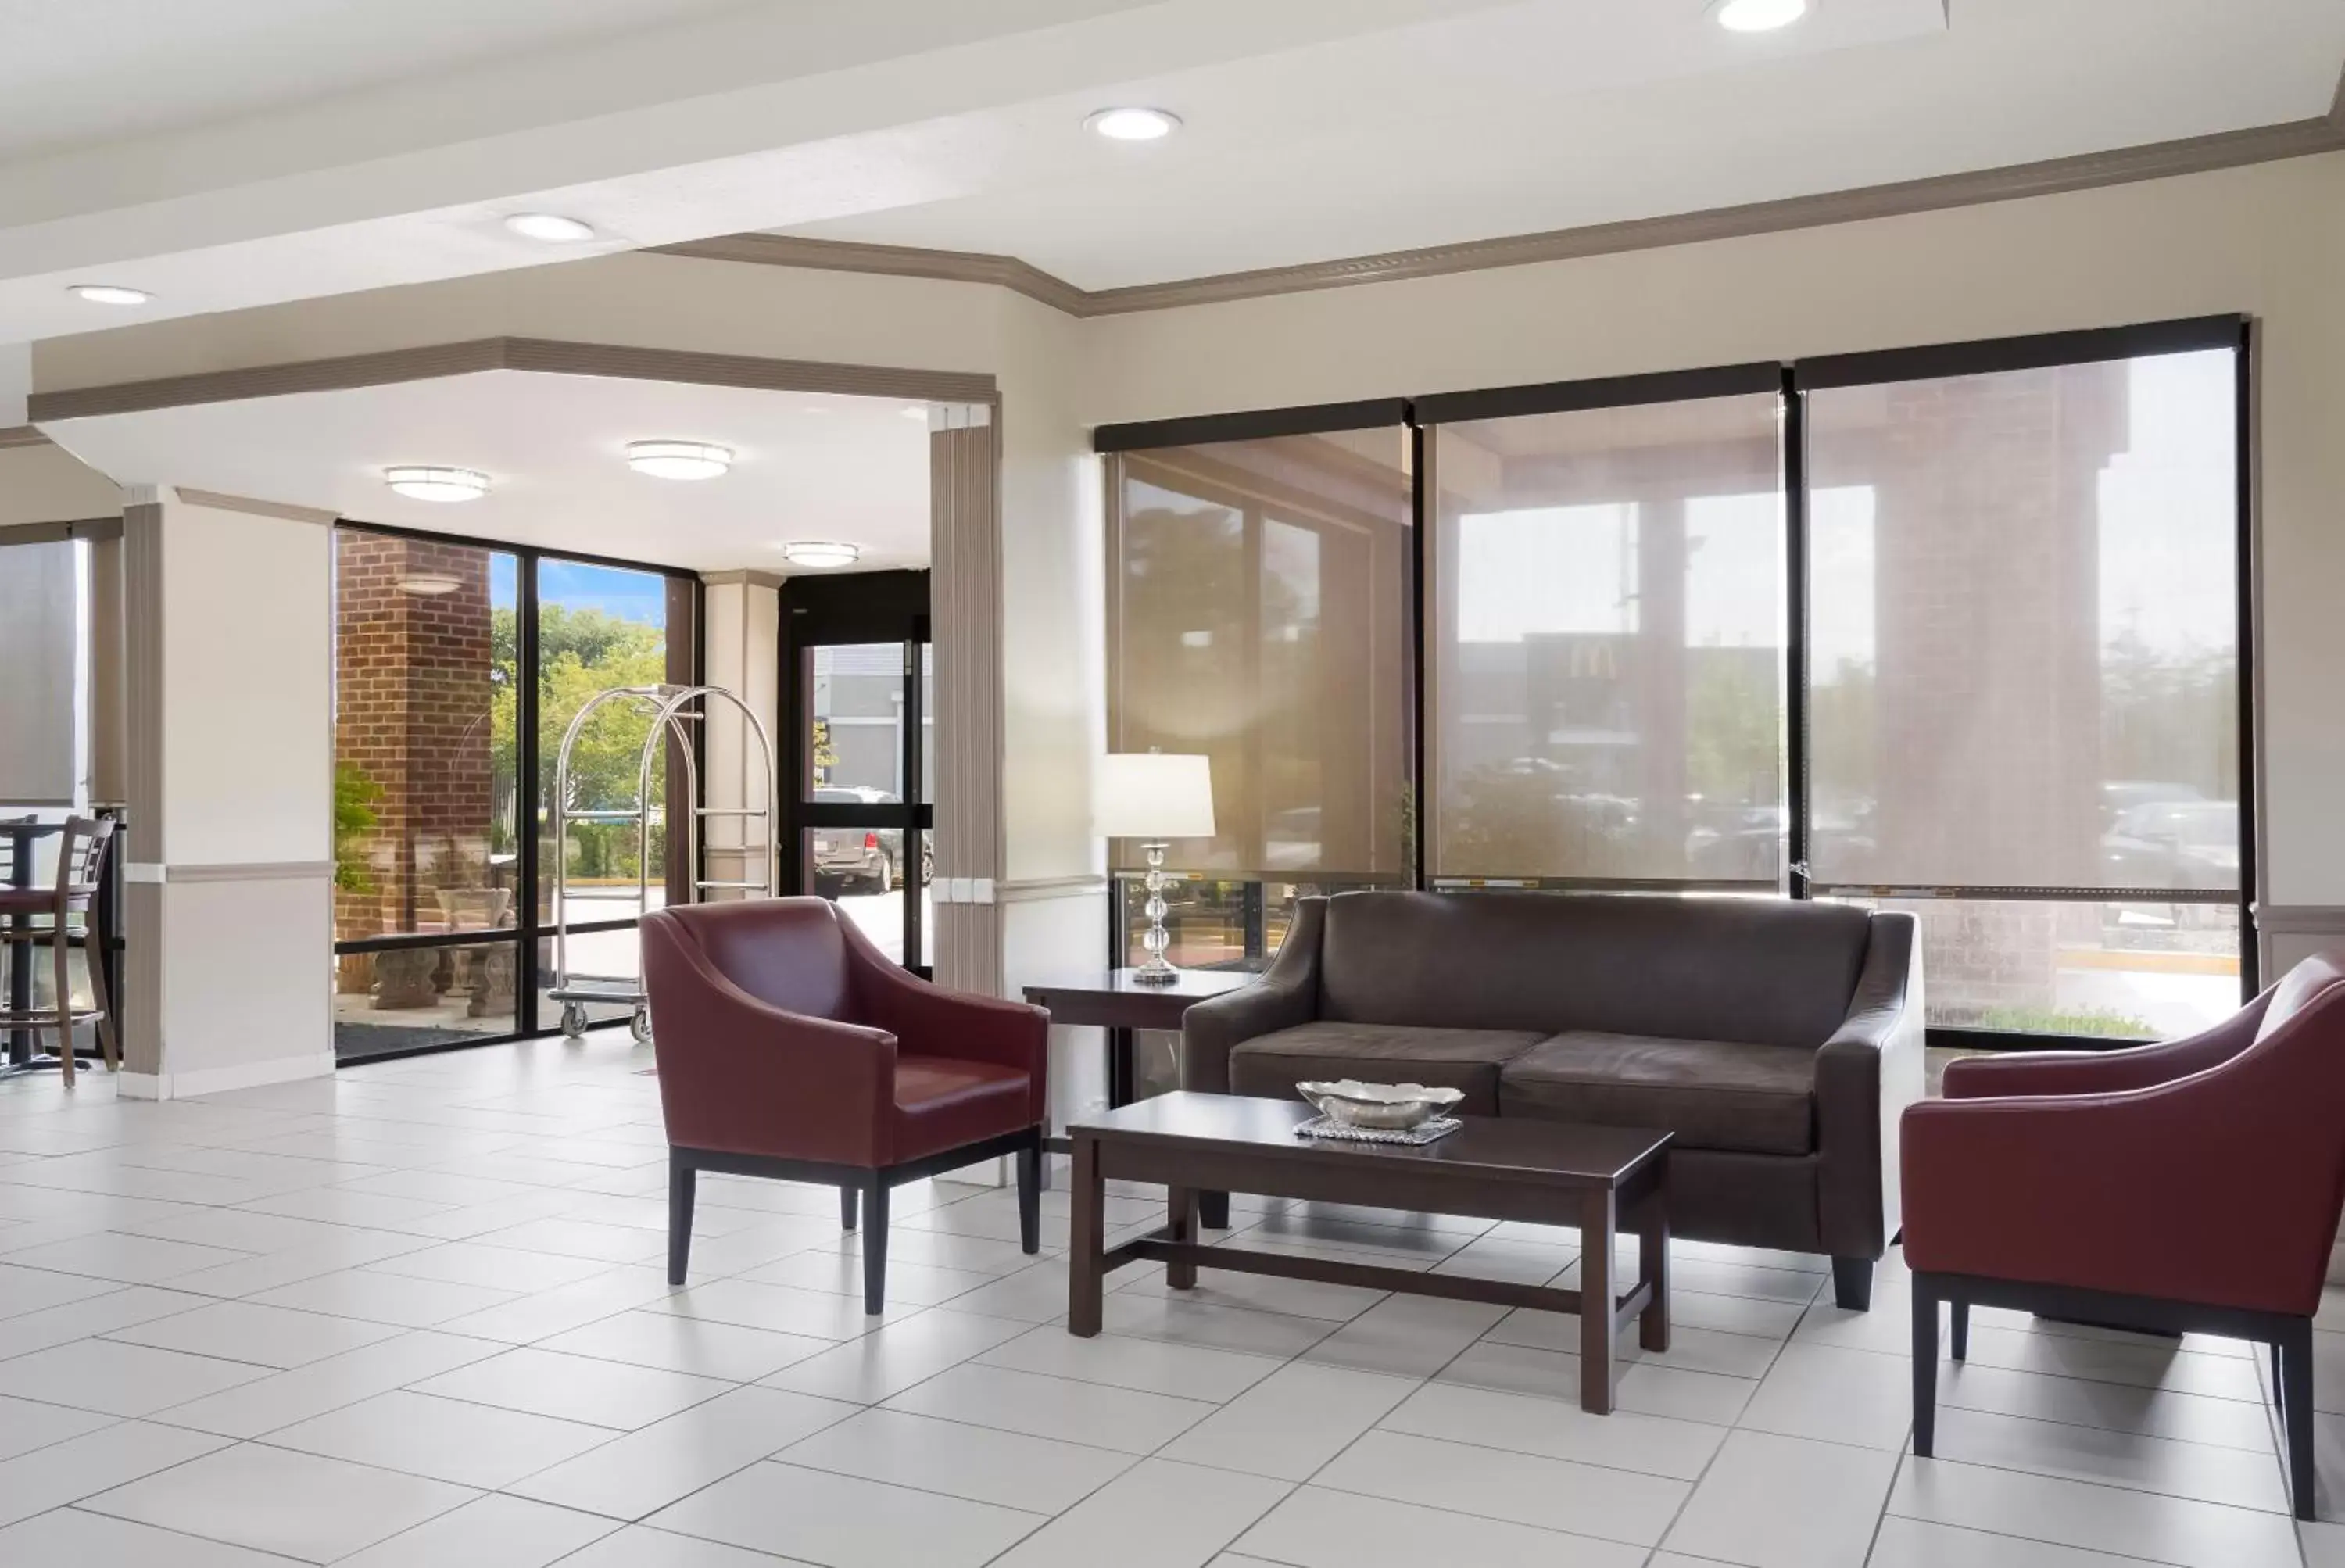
x=414 y=1315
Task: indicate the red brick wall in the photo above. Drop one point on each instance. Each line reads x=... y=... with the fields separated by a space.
x=412 y=711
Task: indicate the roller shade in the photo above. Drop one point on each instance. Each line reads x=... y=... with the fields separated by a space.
x=43 y=697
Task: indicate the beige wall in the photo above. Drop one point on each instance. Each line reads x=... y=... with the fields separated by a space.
x=49 y=485
x=2268 y=241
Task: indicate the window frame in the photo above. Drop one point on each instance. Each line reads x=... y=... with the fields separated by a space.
x=529 y=932
x=1790 y=380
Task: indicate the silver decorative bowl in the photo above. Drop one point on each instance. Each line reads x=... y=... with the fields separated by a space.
x=1391 y=1107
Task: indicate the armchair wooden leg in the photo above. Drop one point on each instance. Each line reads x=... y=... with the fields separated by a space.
x=1960 y=1311
x=1030 y=1197
x=681 y=1179
x=846 y=1208
x=1925 y=1369
x=2295 y=1385
x=1214 y=1210
x=875 y=1245
x=1852 y=1284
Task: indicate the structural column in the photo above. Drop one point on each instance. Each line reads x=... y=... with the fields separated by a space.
x=228 y=644
x=741 y=613
x=965 y=618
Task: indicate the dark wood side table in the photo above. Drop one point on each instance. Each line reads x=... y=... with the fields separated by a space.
x=1552 y=1173
x=1113 y=1000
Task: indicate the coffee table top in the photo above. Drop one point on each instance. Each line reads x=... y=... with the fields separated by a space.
x=1570 y=1154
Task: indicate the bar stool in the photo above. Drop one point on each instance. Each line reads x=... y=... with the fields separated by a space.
x=81 y=870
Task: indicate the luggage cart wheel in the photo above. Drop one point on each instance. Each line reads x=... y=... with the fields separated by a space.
x=640 y=1026
x=574 y=1020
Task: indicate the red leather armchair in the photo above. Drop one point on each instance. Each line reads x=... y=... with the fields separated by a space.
x=791 y=1047
x=2189 y=1187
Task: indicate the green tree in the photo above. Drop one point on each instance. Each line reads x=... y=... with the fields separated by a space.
x=581 y=654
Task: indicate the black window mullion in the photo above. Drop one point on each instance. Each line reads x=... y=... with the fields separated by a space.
x=526 y=788
x=1798 y=883
x=2244 y=575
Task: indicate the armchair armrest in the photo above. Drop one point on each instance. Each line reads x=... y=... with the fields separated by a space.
x=2105 y=1071
x=1287 y=996
x=741 y=1075
x=1866 y=1075
x=929 y=1020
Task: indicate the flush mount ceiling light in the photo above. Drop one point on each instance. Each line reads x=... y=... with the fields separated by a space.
x=1137 y=124
x=678 y=459
x=109 y=294
x=437 y=484
x=427 y=586
x=1758 y=15
x=820 y=553
x=550 y=226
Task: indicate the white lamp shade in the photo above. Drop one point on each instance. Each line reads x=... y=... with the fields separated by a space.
x=1152 y=796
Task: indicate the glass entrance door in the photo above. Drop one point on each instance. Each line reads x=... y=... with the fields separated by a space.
x=856 y=672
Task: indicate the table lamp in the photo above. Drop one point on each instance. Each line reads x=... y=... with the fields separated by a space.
x=1153 y=797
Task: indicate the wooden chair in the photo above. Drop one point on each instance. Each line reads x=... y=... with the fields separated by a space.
x=81 y=871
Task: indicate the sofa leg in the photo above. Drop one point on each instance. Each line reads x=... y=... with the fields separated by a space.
x=681 y=1180
x=2295 y=1412
x=846 y=1208
x=1214 y=1210
x=874 y=1246
x=1030 y=1200
x=1926 y=1370
x=1852 y=1284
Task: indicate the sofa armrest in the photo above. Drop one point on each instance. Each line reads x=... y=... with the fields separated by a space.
x=930 y=1020
x=1866 y=1075
x=739 y=1075
x=1287 y=996
x=2105 y=1071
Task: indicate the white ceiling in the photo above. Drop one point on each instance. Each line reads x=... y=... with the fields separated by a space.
x=806 y=466
x=243 y=151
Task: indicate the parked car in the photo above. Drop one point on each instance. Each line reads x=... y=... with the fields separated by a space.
x=2173 y=843
x=861 y=860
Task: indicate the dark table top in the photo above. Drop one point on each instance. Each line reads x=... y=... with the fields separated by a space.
x=1113 y=999
x=1568 y=1153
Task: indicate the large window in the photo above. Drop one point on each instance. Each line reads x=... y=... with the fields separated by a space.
x=458 y=667
x=2024 y=656
x=1261 y=615
x=1958 y=630
x=1608 y=642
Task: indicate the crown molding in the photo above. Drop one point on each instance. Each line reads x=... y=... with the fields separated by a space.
x=544 y=356
x=2086 y=171
x=751 y=577
x=253 y=505
x=21 y=435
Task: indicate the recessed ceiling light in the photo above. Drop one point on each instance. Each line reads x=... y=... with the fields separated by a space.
x=820 y=553
x=437 y=484
x=1759 y=15
x=918 y=410
x=550 y=226
x=109 y=294
x=427 y=586
x=1136 y=125
x=678 y=459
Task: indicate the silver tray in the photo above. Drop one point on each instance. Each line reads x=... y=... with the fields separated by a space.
x=1332 y=1131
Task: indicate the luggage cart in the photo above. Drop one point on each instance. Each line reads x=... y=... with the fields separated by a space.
x=673 y=712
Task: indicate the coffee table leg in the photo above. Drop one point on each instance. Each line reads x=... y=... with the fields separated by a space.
x=1085 y=1279
x=1597 y=1225
x=1653 y=1269
x=1180 y=1224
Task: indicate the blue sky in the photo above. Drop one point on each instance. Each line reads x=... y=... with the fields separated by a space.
x=630 y=595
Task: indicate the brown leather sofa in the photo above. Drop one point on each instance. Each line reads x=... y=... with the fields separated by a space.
x=1780 y=1041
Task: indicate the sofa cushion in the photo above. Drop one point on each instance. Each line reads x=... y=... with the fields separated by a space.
x=1468 y=1059
x=1774 y=971
x=1712 y=1093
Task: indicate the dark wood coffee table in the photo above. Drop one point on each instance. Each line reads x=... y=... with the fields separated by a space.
x=1550 y=1173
